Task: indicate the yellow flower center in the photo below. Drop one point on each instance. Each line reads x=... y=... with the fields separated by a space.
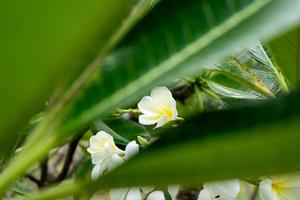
x=166 y=111
x=278 y=187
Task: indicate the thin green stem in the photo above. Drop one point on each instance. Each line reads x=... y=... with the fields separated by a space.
x=24 y=160
x=62 y=190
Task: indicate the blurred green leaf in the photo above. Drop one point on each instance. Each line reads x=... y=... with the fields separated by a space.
x=122 y=130
x=41 y=43
x=20 y=188
x=285 y=50
x=239 y=143
x=244 y=143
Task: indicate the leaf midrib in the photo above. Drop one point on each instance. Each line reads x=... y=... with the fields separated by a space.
x=170 y=63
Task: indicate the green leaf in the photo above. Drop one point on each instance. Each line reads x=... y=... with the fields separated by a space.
x=40 y=43
x=231 y=92
x=159 y=49
x=247 y=142
x=174 y=40
x=285 y=50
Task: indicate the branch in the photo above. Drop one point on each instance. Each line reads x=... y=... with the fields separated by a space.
x=69 y=158
x=44 y=172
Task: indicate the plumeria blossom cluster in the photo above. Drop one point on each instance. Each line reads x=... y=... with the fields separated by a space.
x=106 y=155
x=158 y=109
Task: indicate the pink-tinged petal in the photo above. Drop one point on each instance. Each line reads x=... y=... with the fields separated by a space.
x=204 y=195
x=161 y=95
x=118 y=193
x=265 y=190
x=156 y=195
x=131 y=149
x=134 y=194
x=148 y=119
x=148 y=106
x=162 y=121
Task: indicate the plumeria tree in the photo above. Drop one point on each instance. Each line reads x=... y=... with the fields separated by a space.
x=150 y=99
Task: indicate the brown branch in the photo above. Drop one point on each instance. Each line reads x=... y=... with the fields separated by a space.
x=188 y=194
x=33 y=179
x=44 y=172
x=69 y=157
x=254 y=194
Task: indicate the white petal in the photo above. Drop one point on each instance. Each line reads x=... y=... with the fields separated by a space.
x=173 y=191
x=97 y=158
x=115 y=161
x=148 y=106
x=290 y=194
x=131 y=149
x=224 y=190
x=98 y=141
x=97 y=171
x=118 y=193
x=149 y=119
x=108 y=151
x=204 y=195
x=161 y=95
x=156 y=195
x=134 y=194
x=172 y=106
x=265 y=190
x=162 y=121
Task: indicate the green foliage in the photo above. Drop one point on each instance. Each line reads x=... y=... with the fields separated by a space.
x=285 y=52
x=39 y=42
x=178 y=40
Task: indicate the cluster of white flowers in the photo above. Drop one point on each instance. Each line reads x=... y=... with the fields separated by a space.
x=160 y=108
x=106 y=155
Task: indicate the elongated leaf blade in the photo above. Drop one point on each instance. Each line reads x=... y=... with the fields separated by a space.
x=39 y=42
x=286 y=52
x=173 y=41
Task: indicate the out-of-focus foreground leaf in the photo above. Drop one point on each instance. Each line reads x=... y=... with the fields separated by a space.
x=286 y=53
x=40 y=40
x=173 y=40
x=247 y=142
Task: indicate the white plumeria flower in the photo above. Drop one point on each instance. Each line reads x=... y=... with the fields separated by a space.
x=159 y=195
x=221 y=190
x=280 y=188
x=135 y=193
x=106 y=155
x=102 y=147
x=125 y=194
x=159 y=108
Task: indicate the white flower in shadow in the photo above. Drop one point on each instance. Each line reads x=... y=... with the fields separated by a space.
x=106 y=155
x=221 y=190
